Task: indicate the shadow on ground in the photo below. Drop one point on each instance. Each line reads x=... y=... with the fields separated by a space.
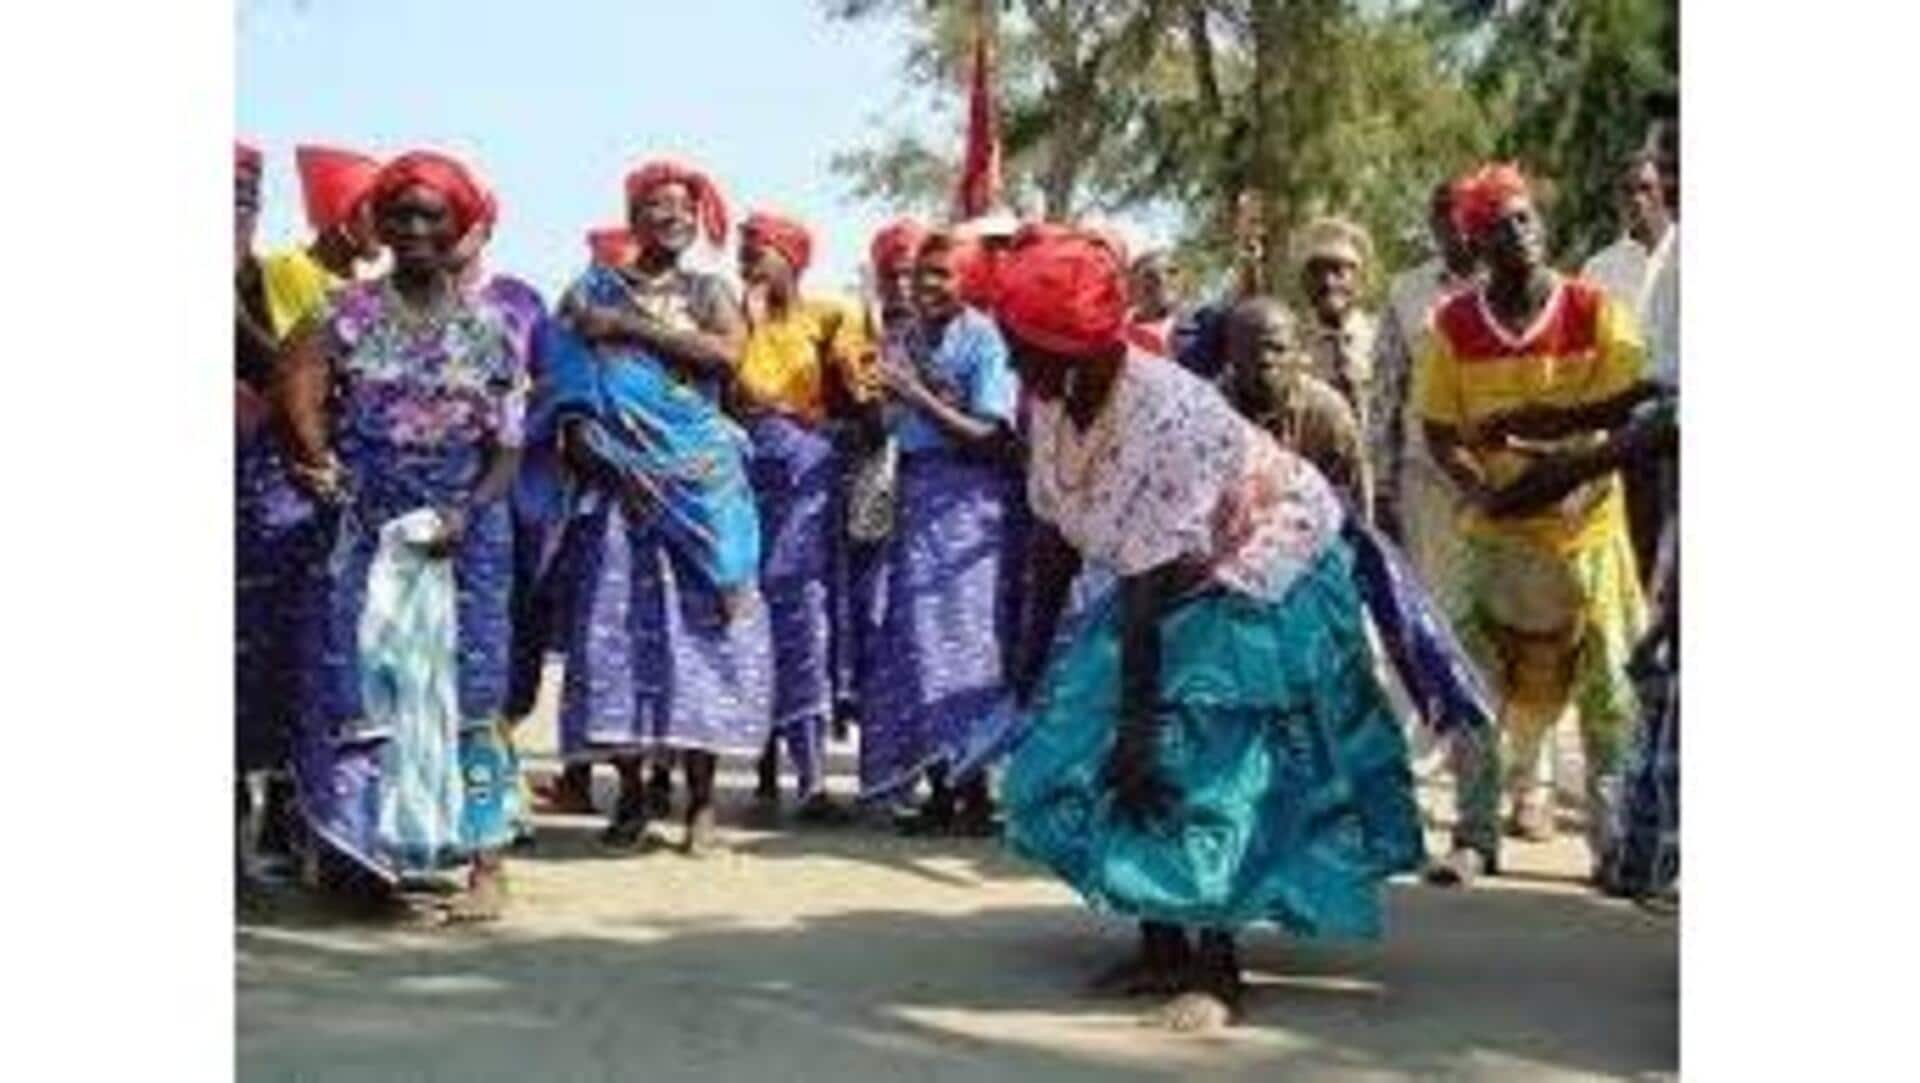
x=1504 y=983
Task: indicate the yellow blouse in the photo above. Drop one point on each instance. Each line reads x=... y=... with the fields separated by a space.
x=1583 y=349
x=785 y=362
x=296 y=286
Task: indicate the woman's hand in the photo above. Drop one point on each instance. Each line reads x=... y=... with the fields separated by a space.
x=600 y=323
x=325 y=481
x=453 y=528
x=1546 y=481
x=900 y=380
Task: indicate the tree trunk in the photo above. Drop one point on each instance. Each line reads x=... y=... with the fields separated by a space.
x=1266 y=172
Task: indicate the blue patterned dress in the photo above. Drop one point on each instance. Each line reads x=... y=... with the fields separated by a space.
x=1295 y=800
x=932 y=673
x=415 y=411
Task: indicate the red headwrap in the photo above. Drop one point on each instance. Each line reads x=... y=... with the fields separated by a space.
x=976 y=272
x=246 y=157
x=1478 y=196
x=464 y=195
x=896 y=242
x=611 y=246
x=1063 y=290
x=708 y=205
x=332 y=183
x=782 y=234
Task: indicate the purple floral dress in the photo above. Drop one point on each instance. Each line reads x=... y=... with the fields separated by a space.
x=417 y=406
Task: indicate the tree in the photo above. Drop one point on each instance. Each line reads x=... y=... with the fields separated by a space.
x=1570 y=79
x=1191 y=109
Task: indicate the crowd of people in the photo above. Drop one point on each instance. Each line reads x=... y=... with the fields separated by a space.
x=1169 y=594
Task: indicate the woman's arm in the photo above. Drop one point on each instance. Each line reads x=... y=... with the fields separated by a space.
x=1141 y=792
x=503 y=462
x=1542 y=422
x=1450 y=454
x=1052 y=565
x=963 y=428
x=302 y=379
x=712 y=351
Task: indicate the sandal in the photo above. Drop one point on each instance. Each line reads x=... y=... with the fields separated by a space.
x=628 y=828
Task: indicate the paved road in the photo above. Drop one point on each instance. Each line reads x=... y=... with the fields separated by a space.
x=852 y=955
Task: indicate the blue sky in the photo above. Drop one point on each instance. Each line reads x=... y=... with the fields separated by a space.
x=553 y=100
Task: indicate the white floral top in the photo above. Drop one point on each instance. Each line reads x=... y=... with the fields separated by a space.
x=1171 y=472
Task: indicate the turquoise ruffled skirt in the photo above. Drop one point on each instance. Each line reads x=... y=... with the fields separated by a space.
x=1295 y=797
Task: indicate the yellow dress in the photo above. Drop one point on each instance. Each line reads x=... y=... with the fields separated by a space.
x=784 y=364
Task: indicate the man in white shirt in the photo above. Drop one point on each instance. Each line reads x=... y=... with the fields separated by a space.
x=1641 y=271
x=1626 y=269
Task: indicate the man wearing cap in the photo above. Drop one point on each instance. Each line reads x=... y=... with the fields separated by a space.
x=1333 y=255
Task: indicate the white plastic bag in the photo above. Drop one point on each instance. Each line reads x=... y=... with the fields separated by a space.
x=409 y=692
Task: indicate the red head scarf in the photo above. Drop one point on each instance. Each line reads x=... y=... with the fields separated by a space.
x=611 y=246
x=1063 y=290
x=332 y=183
x=1478 y=196
x=246 y=158
x=709 y=206
x=782 y=234
x=976 y=271
x=464 y=195
x=896 y=243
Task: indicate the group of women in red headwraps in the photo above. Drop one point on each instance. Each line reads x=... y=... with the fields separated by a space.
x=975 y=514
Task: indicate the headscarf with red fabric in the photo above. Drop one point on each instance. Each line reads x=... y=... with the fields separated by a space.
x=333 y=182
x=896 y=242
x=611 y=246
x=1479 y=196
x=1063 y=290
x=709 y=206
x=466 y=197
x=976 y=272
x=784 y=235
x=247 y=158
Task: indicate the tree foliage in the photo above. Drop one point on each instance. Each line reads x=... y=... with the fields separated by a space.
x=1174 y=109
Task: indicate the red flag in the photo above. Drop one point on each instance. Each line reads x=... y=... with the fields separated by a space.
x=979 y=189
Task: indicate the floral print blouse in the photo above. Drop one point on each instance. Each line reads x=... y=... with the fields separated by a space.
x=1170 y=472
x=424 y=382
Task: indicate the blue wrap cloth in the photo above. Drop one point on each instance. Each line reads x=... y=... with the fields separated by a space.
x=654 y=435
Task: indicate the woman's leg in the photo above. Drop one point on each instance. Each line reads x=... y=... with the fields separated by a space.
x=572 y=791
x=659 y=787
x=701 y=767
x=1157 y=969
x=936 y=816
x=767 y=788
x=1212 y=990
x=976 y=810
x=630 y=811
x=486 y=896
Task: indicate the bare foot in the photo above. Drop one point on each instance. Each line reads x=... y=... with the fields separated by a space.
x=1196 y=1011
x=702 y=835
x=568 y=794
x=485 y=899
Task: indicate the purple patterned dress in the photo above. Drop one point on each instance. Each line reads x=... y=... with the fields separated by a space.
x=415 y=409
x=932 y=668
